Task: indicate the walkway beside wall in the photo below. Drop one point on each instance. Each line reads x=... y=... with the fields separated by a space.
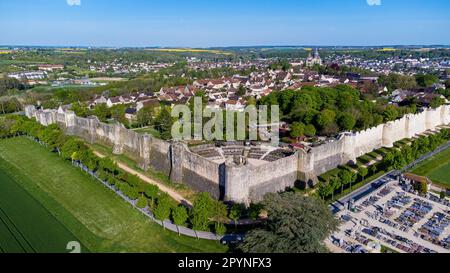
x=172 y=193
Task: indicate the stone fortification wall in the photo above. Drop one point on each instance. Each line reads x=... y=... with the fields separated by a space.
x=244 y=183
x=349 y=146
x=198 y=172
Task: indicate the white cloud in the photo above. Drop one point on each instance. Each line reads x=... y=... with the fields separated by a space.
x=74 y=2
x=374 y=2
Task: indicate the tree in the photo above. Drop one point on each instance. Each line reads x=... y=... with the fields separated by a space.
x=390 y=113
x=346 y=178
x=180 y=215
x=242 y=91
x=346 y=122
x=220 y=228
x=151 y=191
x=437 y=102
x=164 y=124
x=236 y=212
x=297 y=130
x=363 y=172
x=310 y=130
x=218 y=212
x=395 y=81
x=102 y=112
x=426 y=80
x=399 y=160
x=70 y=147
x=325 y=118
x=108 y=165
x=322 y=190
x=335 y=183
x=423 y=187
x=162 y=210
x=142 y=202
x=254 y=211
x=201 y=212
x=79 y=110
x=373 y=169
x=145 y=116
x=295 y=224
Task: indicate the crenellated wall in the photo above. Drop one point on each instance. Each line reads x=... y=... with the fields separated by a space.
x=241 y=183
x=349 y=146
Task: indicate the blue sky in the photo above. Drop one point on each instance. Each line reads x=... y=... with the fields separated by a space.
x=204 y=23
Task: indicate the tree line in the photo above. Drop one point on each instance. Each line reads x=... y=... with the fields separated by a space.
x=206 y=214
x=314 y=111
x=396 y=158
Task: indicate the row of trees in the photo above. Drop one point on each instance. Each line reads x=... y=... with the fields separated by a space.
x=328 y=111
x=10 y=83
x=9 y=105
x=396 y=158
x=206 y=214
x=401 y=157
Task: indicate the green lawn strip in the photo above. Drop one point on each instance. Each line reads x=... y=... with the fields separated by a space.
x=436 y=168
x=39 y=230
x=98 y=217
x=159 y=177
x=149 y=130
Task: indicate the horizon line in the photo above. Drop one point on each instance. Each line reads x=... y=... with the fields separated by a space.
x=232 y=46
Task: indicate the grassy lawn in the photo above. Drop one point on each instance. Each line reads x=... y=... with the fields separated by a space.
x=148 y=130
x=101 y=221
x=436 y=168
x=38 y=232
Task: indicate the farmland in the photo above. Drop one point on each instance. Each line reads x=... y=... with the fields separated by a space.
x=191 y=50
x=95 y=216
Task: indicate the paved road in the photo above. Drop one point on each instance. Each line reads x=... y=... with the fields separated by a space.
x=146 y=179
x=381 y=181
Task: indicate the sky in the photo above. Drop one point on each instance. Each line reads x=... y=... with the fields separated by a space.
x=208 y=23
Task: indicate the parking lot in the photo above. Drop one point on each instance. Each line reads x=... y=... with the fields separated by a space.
x=394 y=217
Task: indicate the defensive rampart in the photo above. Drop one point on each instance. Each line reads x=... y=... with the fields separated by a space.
x=243 y=183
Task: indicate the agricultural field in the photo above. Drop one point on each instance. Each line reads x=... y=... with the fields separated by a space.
x=100 y=220
x=190 y=50
x=436 y=168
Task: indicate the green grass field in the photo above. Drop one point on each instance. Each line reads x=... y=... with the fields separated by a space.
x=99 y=219
x=25 y=225
x=436 y=168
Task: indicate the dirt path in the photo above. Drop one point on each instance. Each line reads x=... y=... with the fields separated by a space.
x=146 y=179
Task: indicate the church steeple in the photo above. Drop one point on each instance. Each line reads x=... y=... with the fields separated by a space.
x=316 y=53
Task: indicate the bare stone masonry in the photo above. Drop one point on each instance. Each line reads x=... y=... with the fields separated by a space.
x=237 y=180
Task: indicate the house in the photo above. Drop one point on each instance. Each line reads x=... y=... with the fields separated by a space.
x=417 y=181
x=147 y=103
x=283 y=77
x=131 y=114
x=50 y=67
x=235 y=105
x=114 y=101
